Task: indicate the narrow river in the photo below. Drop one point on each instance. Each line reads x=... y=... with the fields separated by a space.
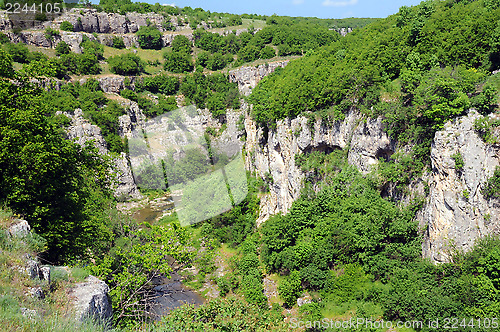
x=168 y=293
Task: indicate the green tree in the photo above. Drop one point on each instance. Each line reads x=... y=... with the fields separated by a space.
x=149 y=37
x=181 y=44
x=176 y=62
x=118 y=42
x=267 y=53
x=62 y=48
x=46 y=177
x=290 y=288
x=126 y=64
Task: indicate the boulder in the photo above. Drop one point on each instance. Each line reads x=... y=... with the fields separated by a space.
x=90 y=300
x=20 y=228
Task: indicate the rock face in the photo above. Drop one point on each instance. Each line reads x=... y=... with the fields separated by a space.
x=20 y=228
x=276 y=155
x=248 y=77
x=82 y=132
x=457 y=213
x=115 y=83
x=90 y=20
x=91 y=300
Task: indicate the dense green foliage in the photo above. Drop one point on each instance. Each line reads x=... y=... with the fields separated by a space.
x=149 y=37
x=126 y=64
x=178 y=62
x=492 y=187
x=94 y=105
x=117 y=42
x=66 y=26
x=418 y=69
x=62 y=48
x=214 y=92
x=52 y=181
x=164 y=84
x=234 y=226
x=233 y=314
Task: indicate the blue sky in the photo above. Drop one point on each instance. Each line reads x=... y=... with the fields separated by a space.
x=315 y=8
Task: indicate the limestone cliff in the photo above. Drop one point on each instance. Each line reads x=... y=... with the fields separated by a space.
x=276 y=155
x=82 y=132
x=248 y=77
x=456 y=212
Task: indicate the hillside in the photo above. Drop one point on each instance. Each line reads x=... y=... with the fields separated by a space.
x=271 y=171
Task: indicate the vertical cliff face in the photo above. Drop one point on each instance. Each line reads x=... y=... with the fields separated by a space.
x=456 y=212
x=82 y=132
x=275 y=155
x=248 y=77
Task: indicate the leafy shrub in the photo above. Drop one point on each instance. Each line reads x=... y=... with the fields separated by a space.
x=163 y=84
x=149 y=37
x=177 y=62
x=181 y=44
x=126 y=64
x=50 y=34
x=18 y=52
x=118 y=42
x=62 y=48
x=129 y=94
x=492 y=186
x=66 y=26
x=459 y=161
x=267 y=53
x=248 y=54
x=88 y=64
x=4 y=38
x=290 y=288
x=92 y=48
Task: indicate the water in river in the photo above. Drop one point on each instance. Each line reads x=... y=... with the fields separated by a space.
x=167 y=293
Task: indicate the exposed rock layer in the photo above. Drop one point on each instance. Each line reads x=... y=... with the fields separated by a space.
x=91 y=300
x=457 y=213
x=276 y=155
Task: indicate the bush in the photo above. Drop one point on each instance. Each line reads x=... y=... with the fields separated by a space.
x=88 y=64
x=149 y=37
x=248 y=54
x=50 y=34
x=176 y=62
x=92 y=47
x=126 y=64
x=181 y=44
x=62 y=48
x=290 y=288
x=66 y=26
x=492 y=186
x=18 y=52
x=267 y=53
x=118 y=43
x=129 y=94
x=459 y=161
x=163 y=84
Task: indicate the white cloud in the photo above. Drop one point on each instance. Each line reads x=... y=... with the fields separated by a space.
x=334 y=3
x=169 y=4
x=297 y=2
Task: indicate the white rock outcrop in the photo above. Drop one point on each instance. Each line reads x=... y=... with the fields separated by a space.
x=248 y=77
x=90 y=300
x=19 y=228
x=83 y=132
x=365 y=138
x=456 y=213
